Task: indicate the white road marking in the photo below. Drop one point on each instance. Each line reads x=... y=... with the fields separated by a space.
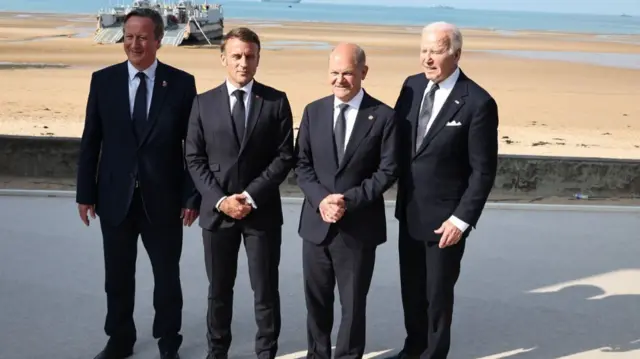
x=303 y=353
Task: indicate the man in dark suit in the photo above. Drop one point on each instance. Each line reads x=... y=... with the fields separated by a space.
x=132 y=174
x=346 y=150
x=448 y=165
x=239 y=151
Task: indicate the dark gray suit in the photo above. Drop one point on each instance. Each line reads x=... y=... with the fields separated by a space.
x=344 y=251
x=221 y=165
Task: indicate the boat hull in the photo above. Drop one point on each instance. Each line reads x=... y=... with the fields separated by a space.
x=108 y=35
x=211 y=30
x=183 y=23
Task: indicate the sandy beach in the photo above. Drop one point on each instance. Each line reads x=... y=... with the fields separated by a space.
x=549 y=105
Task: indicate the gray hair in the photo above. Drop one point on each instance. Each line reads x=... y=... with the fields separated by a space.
x=361 y=57
x=358 y=54
x=452 y=31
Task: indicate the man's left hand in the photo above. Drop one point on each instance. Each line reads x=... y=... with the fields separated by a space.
x=188 y=216
x=332 y=208
x=450 y=234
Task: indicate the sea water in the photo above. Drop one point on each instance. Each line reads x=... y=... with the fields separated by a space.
x=385 y=15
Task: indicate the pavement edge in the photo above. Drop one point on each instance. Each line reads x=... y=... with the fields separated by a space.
x=388 y=203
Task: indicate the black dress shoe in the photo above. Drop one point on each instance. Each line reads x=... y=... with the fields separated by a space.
x=217 y=356
x=404 y=355
x=169 y=355
x=114 y=353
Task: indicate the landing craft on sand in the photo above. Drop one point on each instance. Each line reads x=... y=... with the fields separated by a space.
x=183 y=21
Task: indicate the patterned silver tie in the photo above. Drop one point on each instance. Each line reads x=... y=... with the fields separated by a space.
x=425 y=115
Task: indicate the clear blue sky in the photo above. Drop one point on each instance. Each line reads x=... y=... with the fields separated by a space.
x=604 y=7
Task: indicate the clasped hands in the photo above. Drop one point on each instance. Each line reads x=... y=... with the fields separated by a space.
x=332 y=208
x=236 y=206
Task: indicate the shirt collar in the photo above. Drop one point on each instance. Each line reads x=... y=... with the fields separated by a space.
x=448 y=83
x=354 y=103
x=247 y=88
x=149 y=71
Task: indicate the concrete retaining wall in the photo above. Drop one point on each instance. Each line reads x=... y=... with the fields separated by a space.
x=26 y=156
x=536 y=176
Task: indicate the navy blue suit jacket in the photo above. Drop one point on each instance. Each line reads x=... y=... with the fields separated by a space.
x=453 y=171
x=111 y=155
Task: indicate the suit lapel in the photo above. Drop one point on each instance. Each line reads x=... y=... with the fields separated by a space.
x=364 y=121
x=325 y=133
x=122 y=98
x=254 y=112
x=222 y=112
x=451 y=106
x=161 y=85
x=123 y=92
x=415 y=111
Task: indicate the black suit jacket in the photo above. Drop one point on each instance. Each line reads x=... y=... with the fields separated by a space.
x=453 y=171
x=220 y=166
x=111 y=155
x=368 y=169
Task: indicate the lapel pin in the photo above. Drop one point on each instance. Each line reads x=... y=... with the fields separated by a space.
x=457 y=102
x=370 y=117
x=164 y=83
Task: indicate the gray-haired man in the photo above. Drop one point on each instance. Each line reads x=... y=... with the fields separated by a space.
x=448 y=165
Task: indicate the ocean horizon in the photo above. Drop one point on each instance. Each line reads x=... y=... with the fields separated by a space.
x=378 y=15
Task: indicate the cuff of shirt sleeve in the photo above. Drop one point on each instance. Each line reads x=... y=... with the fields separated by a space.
x=462 y=225
x=220 y=201
x=250 y=200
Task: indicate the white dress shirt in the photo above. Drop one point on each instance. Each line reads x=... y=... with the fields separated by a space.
x=350 y=113
x=232 y=102
x=247 y=97
x=134 y=82
x=441 y=95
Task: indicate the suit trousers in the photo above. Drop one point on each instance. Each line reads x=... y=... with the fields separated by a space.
x=163 y=243
x=428 y=275
x=352 y=268
x=221 y=249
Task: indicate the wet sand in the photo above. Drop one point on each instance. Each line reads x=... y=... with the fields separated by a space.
x=551 y=101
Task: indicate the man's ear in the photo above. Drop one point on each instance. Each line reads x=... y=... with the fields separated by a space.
x=223 y=59
x=365 y=70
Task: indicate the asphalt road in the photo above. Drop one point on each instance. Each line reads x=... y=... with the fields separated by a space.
x=535 y=284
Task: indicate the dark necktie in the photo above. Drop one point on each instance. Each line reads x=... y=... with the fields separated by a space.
x=425 y=115
x=140 y=107
x=339 y=132
x=238 y=114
